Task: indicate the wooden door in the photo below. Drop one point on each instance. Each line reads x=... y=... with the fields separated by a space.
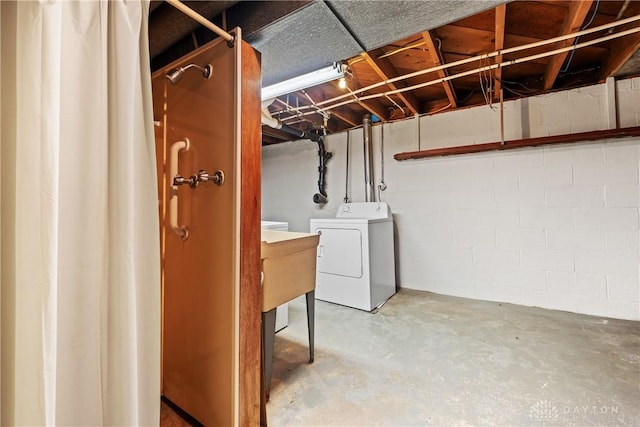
x=210 y=233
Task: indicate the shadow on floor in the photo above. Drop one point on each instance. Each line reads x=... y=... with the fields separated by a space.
x=173 y=416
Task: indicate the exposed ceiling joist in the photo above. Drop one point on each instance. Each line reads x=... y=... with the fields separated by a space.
x=501 y=13
x=619 y=55
x=576 y=14
x=327 y=31
x=269 y=140
x=276 y=134
x=434 y=56
x=375 y=107
x=342 y=113
x=385 y=70
x=347 y=116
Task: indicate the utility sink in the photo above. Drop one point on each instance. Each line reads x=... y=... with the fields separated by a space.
x=289 y=271
x=288 y=265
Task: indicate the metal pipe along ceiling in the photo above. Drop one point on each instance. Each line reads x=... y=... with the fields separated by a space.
x=200 y=19
x=505 y=52
x=320 y=106
x=167 y=25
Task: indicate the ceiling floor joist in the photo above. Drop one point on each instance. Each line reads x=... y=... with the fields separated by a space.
x=385 y=71
x=513 y=51
x=347 y=116
x=576 y=14
x=434 y=56
x=501 y=14
x=276 y=134
x=619 y=55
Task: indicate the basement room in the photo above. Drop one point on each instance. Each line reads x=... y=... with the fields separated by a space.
x=320 y=213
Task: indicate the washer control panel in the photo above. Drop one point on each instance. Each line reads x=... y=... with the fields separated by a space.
x=368 y=210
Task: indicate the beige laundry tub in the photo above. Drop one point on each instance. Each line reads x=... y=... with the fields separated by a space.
x=289 y=271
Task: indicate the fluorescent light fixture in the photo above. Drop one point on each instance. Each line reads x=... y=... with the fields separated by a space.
x=304 y=81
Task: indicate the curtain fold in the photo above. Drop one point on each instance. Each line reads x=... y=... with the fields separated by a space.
x=79 y=254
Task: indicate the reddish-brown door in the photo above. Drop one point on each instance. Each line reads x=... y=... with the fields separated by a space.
x=208 y=132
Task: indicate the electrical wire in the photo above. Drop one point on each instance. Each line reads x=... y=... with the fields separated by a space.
x=333 y=102
x=515 y=92
x=400 y=49
x=396 y=104
x=488 y=81
x=575 y=42
x=529 y=89
x=505 y=63
x=465 y=99
x=441 y=109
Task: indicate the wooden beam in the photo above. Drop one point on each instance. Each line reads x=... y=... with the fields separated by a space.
x=385 y=70
x=373 y=106
x=435 y=106
x=267 y=140
x=576 y=14
x=619 y=54
x=435 y=58
x=341 y=113
x=347 y=116
x=276 y=133
x=249 y=286
x=520 y=143
x=501 y=13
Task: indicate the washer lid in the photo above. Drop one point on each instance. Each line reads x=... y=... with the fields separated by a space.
x=370 y=210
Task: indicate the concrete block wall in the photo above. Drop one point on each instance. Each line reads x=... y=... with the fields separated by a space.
x=555 y=227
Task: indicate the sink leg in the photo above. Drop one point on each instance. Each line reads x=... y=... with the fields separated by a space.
x=268 y=335
x=311 y=314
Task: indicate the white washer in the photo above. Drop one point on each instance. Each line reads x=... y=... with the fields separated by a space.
x=356 y=265
x=282 y=312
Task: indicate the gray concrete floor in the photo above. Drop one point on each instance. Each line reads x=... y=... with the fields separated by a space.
x=427 y=359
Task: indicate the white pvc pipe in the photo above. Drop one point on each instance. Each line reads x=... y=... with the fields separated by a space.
x=509 y=62
x=466 y=73
x=269 y=120
x=490 y=55
x=200 y=19
x=479 y=58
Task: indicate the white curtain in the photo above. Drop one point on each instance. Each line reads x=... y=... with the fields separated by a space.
x=79 y=253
